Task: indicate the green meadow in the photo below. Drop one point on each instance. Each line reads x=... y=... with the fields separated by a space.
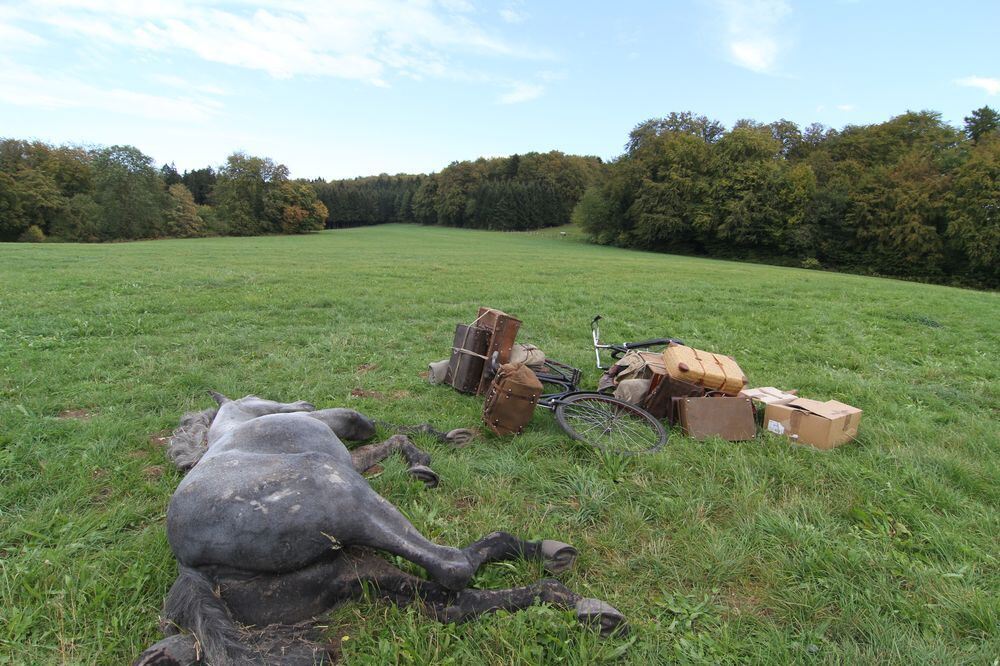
x=885 y=550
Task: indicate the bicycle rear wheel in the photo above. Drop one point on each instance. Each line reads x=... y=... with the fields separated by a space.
x=610 y=424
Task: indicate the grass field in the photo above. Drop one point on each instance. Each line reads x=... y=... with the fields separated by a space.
x=886 y=550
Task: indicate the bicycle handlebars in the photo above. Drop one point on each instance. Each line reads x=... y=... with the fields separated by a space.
x=650 y=343
x=618 y=350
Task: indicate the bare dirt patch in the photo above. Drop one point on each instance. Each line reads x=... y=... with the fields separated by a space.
x=153 y=472
x=399 y=395
x=365 y=393
x=160 y=438
x=75 y=414
x=333 y=646
x=467 y=502
x=744 y=602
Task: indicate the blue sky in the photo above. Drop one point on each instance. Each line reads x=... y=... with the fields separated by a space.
x=340 y=88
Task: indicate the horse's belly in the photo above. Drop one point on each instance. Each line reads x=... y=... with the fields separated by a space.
x=257 y=512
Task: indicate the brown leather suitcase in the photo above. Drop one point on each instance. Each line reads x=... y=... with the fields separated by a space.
x=511 y=399
x=503 y=331
x=659 y=401
x=468 y=357
x=727 y=417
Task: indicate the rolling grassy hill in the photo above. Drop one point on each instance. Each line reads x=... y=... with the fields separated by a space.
x=884 y=550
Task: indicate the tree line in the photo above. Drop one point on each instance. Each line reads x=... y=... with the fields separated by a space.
x=911 y=197
x=70 y=193
x=513 y=193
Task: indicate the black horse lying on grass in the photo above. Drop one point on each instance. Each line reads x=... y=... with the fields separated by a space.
x=274 y=525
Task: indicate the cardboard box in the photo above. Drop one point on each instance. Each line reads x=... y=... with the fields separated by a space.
x=823 y=425
x=768 y=395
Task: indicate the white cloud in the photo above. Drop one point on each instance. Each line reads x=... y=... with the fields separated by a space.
x=757 y=55
x=457 y=5
x=754 y=32
x=23 y=86
x=513 y=11
x=522 y=92
x=991 y=86
x=12 y=37
x=846 y=107
x=183 y=84
x=365 y=40
x=510 y=15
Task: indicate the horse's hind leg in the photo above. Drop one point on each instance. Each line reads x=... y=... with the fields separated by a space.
x=500 y=546
x=469 y=604
x=445 y=606
x=419 y=461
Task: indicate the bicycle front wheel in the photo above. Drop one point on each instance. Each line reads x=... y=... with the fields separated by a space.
x=610 y=424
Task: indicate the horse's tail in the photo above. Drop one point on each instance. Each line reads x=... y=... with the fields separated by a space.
x=192 y=604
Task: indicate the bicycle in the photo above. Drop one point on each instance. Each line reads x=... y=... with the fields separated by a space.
x=596 y=418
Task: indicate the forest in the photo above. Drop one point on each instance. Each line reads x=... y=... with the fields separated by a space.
x=912 y=197
x=513 y=193
x=67 y=193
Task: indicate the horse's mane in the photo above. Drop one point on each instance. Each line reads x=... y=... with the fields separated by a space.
x=189 y=441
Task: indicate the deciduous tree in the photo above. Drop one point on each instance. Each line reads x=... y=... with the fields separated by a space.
x=982 y=122
x=130 y=193
x=182 y=218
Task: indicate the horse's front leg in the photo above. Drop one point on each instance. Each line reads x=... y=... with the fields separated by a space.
x=345 y=423
x=419 y=461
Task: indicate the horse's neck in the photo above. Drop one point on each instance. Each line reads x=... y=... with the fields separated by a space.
x=229 y=417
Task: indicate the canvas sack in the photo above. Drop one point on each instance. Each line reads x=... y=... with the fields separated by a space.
x=530 y=355
x=437 y=371
x=632 y=390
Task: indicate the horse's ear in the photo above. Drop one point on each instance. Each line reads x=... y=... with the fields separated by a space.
x=219 y=398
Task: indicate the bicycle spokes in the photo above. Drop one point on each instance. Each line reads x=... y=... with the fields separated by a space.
x=610 y=424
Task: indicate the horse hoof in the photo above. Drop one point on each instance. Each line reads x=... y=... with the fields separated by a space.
x=425 y=474
x=602 y=616
x=459 y=436
x=557 y=556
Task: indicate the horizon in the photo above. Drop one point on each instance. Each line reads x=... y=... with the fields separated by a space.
x=353 y=89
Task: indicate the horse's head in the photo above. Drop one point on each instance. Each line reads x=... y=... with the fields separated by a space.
x=254 y=406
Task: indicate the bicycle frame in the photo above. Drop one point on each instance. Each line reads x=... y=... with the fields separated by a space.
x=562 y=375
x=551 y=401
x=595 y=330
